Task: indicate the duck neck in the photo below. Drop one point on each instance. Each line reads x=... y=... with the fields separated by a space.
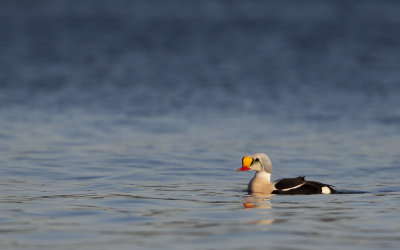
x=264 y=175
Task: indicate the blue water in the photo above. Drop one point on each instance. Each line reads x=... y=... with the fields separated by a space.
x=122 y=123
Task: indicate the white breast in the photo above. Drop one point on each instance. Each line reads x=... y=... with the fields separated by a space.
x=261 y=183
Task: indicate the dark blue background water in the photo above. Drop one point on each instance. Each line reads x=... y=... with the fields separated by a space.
x=122 y=122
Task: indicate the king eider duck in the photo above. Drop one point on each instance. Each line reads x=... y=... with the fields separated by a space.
x=261 y=182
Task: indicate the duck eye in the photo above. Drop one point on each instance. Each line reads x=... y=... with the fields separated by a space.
x=256 y=159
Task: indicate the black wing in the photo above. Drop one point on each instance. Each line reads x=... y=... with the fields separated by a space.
x=289 y=182
x=308 y=187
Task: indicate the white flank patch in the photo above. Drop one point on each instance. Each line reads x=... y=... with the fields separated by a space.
x=326 y=190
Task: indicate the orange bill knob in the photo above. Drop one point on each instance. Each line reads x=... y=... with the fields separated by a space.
x=246 y=163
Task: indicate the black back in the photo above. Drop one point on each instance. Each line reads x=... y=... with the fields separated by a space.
x=289 y=182
x=308 y=187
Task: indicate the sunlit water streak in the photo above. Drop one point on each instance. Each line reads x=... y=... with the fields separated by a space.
x=150 y=190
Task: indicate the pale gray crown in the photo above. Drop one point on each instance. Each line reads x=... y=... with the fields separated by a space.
x=265 y=161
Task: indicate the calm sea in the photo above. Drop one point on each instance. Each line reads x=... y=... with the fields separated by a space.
x=122 y=123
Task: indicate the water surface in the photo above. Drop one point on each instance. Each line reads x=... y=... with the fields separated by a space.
x=122 y=124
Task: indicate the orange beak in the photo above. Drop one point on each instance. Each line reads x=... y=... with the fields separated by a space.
x=246 y=162
x=243 y=168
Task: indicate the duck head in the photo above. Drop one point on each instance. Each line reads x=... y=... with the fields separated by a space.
x=257 y=162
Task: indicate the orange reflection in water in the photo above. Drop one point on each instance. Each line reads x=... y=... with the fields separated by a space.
x=263 y=205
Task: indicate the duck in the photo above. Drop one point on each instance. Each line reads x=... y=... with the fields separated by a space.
x=261 y=182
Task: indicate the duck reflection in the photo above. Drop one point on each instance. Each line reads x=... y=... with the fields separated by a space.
x=263 y=204
x=258 y=201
